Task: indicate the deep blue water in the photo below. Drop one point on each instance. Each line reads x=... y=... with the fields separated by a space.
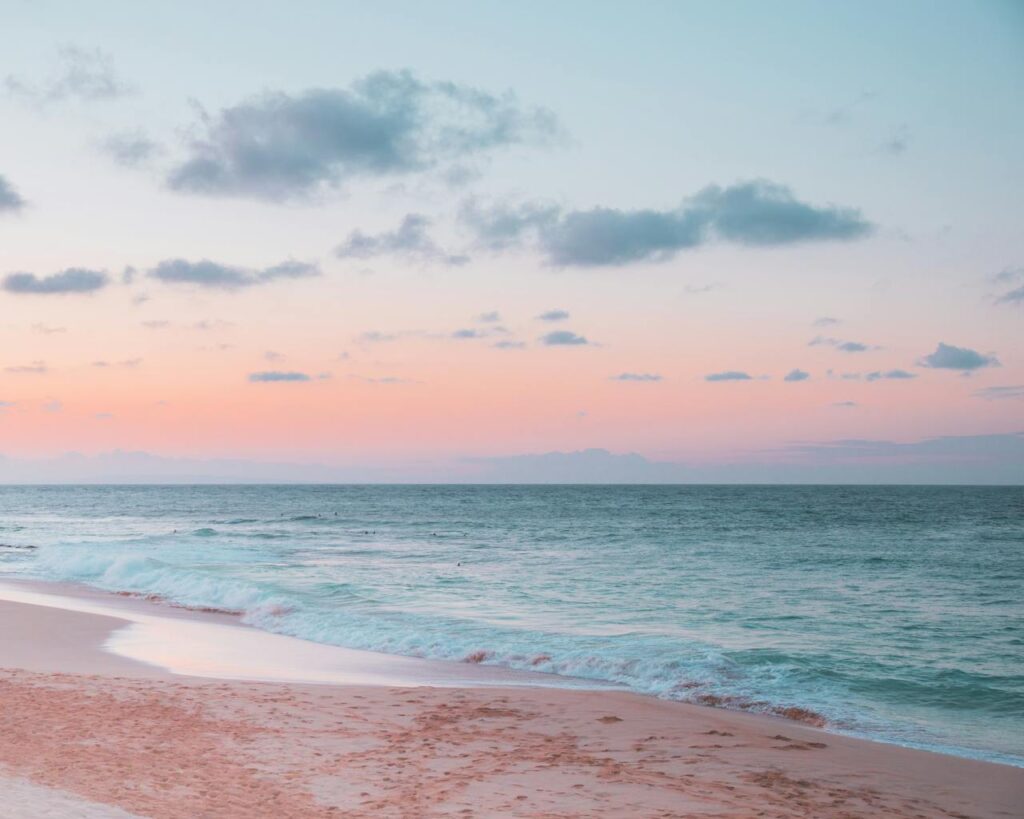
x=893 y=612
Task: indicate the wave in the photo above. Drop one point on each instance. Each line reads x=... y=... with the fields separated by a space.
x=670 y=667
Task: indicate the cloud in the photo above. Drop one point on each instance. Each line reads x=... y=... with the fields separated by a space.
x=897 y=144
x=127 y=362
x=377 y=337
x=53 y=405
x=10 y=199
x=410 y=240
x=1013 y=391
x=72 y=280
x=553 y=315
x=130 y=148
x=509 y=345
x=277 y=375
x=35 y=368
x=206 y=273
x=700 y=290
x=825 y=321
x=558 y=338
x=728 y=375
x=756 y=213
x=47 y=330
x=636 y=377
x=845 y=404
x=489 y=318
x=386 y=380
x=897 y=375
x=156 y=324
x=796 y=375
x=839 y=344
x=1015 y=296
x=948 y=357
x=281 y=146
x=1010 y=276
x=80 y=73
x=469 y=333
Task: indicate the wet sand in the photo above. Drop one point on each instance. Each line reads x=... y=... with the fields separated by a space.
x=77 y=721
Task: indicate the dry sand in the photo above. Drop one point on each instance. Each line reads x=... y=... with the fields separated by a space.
x=79 y=722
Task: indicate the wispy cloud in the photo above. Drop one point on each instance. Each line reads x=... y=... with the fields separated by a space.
x=841 y=345
x=35 y=368
x=1009 y=276
x=891 y=375
x=409 y=240
x=72 y=280
x=79 y=74
x=1002 y=393
x=205 y=273
x=278 y=375
x=796 y=375
x=642 y=377
x=10 y=199
x=728 y=375
x=130 y=148
x=553 y=315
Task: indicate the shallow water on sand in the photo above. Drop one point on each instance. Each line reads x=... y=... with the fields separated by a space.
x=891 y=612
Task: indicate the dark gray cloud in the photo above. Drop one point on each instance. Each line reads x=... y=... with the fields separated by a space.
x=206 y=273
x=489 y=317
x=80 y=73
x=281 y=146
x=10 y=199
x=757 y=213
x=796 y=375
x=648 y=377
x=72 y=280
x=1008 y=392
x=896 y=375
x=948 y=357
x=728 y=375
x=277 y=375
x=558 y=338
x=553 y=315
x=839 y=344
x=409 y=239
x=131 y=148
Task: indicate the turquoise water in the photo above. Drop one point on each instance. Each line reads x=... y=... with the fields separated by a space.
x=892 y=612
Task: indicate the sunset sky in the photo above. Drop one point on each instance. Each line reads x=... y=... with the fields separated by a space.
x=411 y=234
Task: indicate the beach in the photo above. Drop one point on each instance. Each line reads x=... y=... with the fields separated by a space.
x=88 y=727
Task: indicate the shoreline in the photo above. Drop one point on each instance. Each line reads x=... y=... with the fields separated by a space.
x=116 y=731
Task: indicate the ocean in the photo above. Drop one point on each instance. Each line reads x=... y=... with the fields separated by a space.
x=894 y=613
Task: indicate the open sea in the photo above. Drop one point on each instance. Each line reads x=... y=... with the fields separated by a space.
x=895 y=613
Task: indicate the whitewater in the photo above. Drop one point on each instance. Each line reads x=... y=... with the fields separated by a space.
x=888 y=612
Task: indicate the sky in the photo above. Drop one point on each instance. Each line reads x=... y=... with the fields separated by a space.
x=413 y=241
